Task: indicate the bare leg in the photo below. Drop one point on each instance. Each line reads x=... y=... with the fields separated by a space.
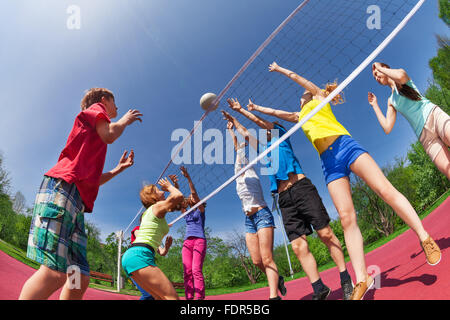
x=69 y=292
x=252 y=241
x=42 y=284
x=341 y=194
x=153 y=280
x=442 y=161
x=265 y=236
x=367 y=169
x=334 y=246
x=307 y=260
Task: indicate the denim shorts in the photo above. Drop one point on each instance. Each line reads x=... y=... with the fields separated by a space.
x=338 y=158
x=261 y=219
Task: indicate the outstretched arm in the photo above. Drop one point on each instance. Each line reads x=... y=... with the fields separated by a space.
x=387 y=123
x=281 y=114
x=260 y=122
x=110 y=132
x=308 y=85
x=124 y=163
x=398 y=75
x=253 y=141
x=174 y=199
x=230 y=127
x=194 y=193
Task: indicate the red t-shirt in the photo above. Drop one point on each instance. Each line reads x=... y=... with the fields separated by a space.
x=133 y=236
x=83 y=158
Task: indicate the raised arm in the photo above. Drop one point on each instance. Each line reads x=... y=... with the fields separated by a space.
x=124 y=163
x=230 y=127
x=281 y=114
x=398 y=75
x=387 y=123
x=260 y=122
x=194 y=194
x=174 y=199
x=308 y=85
x=110 y=132
x=253 y=141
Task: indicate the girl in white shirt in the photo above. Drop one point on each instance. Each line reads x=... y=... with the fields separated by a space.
x=259 y=220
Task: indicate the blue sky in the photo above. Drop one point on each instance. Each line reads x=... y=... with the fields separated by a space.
x=160 y=57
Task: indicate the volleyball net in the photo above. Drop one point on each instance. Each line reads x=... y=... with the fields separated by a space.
x=323 y=41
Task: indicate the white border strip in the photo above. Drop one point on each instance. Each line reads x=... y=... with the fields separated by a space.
x=341 y=87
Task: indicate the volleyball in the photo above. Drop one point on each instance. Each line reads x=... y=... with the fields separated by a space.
x=206 y=100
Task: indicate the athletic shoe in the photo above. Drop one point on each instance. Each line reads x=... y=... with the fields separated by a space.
x=360 y=290
x=323 y=295
x=432 y=251
x=281 y=286
x=347 y=288
x=276 y=298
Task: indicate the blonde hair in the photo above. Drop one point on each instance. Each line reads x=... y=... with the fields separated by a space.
x=95 y=95
x=329 y=88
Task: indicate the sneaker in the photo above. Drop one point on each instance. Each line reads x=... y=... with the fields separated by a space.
x=276 y=298
x=323 y=295
x=347 y=288
x=281 y=286
x=360 y=290
x=432 y=251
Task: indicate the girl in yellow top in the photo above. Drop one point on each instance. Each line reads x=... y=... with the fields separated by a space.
x=340 y=155
x=139 y=260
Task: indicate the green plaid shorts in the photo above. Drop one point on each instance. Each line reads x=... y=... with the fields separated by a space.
x=57 y=237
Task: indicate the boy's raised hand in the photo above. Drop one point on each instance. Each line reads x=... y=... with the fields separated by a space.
x=126 y=161
x=132 y=116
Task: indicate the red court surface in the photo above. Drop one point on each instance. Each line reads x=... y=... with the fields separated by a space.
x=400 y=266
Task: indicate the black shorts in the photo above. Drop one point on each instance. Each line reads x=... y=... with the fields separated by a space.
x=302 y=209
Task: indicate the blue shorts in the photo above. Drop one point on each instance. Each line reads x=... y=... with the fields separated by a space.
x=261 y=219
x=336 y=160
x=137 y=258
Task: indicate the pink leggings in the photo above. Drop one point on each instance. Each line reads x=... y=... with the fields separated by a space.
x=193 y=253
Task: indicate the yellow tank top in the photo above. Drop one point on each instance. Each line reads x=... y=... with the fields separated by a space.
x=323 y=124
x=152 y=229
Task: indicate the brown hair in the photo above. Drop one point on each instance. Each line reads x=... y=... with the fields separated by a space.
x=148 y=195
x=95 y=95
x=329 y=88
x=404 y=89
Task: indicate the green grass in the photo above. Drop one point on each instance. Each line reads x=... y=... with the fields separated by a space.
x=20 y=255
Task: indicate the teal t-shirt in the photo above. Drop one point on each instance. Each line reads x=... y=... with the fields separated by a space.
x=416 y=112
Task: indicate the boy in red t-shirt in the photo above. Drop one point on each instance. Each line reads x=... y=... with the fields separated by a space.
x=57 y=235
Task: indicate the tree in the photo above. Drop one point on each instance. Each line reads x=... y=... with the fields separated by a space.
x=239 y=246
x=19 y=205
x=5 y=181
x=444 y=11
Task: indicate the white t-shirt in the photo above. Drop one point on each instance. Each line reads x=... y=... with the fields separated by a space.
x=248 y=186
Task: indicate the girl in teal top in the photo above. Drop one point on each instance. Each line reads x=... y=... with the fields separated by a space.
x=139 y=260
x=430 y=123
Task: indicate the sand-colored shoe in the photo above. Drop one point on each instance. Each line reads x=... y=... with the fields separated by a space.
x=432 y=251
x=360 y=290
